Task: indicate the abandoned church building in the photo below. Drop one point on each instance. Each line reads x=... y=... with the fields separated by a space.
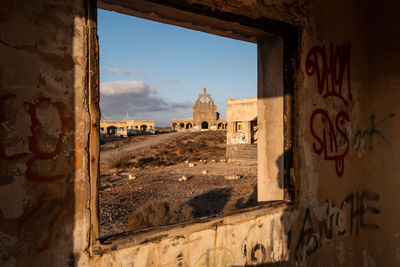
x=327 y=132
x=123 y=127
x=205 y=116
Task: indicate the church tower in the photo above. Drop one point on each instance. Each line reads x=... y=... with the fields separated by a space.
x=205 y=113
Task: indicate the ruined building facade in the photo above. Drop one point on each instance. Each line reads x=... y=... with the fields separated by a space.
x=122 y=127
x=205 y=116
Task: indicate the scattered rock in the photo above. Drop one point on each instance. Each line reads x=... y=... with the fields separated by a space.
x=229 y=160
x=184 y=178
x=232 y=177
x=204 y=172
x=131 y=177
x=205 y=161
x=180 y=180
x=191 y=165
x=213 y=160
x=186 y=161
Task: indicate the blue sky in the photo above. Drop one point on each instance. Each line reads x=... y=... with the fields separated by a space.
x=156 y=71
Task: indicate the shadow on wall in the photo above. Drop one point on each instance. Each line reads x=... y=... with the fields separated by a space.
x=257 y=249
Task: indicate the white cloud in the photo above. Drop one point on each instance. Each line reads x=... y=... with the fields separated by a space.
x=243 y=62
x=122 y=71
x=240 y=59
x=172 y=80
x=126 y=87
x=137 y=98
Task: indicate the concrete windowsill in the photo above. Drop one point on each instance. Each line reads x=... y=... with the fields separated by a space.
x=155 y=234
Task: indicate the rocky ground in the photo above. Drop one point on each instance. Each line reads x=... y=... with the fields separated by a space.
x=181 y=179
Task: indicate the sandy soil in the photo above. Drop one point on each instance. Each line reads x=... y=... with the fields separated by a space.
x=134 y=144
x=147 y=188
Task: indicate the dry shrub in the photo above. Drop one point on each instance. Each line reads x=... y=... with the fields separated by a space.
x=159 y=213
x=120 y=162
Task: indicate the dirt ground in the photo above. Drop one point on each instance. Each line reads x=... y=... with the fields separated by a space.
x=185 y=177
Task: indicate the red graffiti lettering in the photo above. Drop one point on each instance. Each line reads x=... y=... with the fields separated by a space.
x=35 y=141
x=330 y=73
x=327 y=141
x=39 y=151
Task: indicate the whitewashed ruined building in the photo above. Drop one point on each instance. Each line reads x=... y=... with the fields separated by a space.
x=242 y=130
x=205 y=116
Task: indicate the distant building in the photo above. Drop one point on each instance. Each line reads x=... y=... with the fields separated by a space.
x=205 y=116
x=241 y=137
x=121 y=128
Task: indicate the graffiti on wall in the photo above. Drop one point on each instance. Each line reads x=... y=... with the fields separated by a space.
x=363 y=139
x=240 y=138
x=326 y=142
x=43 y=149
x=331 y=70
x=349 y=217
x=216 y=257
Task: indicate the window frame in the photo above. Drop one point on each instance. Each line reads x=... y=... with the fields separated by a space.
x=197 y=17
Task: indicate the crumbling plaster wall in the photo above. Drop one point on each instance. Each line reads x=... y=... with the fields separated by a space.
x=346 y=200
x=44 y=129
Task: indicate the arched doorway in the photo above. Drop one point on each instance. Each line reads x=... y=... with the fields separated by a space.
x=111 y=130
x=204 y=125
x=220 y=126
x=174 y=126
x=182 y=125
x=189 y=126
x=143 y=128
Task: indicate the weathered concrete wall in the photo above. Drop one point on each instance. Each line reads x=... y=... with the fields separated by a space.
x=347 y=144
x=382 y=133
x=44 y=129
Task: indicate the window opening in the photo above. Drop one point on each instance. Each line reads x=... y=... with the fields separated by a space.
x=219 y=200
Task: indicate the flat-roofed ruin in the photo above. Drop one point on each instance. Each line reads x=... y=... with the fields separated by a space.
x=124 y=127
x=242 y=130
